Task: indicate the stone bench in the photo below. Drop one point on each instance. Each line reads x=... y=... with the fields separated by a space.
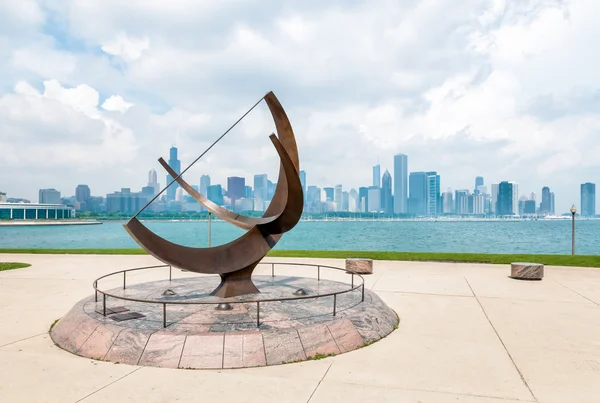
x=527 y=271
x=359 y=266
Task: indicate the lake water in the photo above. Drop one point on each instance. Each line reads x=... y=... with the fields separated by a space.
x=544 y=236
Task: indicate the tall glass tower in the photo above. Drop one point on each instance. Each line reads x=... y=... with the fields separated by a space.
x=175 y=164
x=400 y=184
x=588 y=199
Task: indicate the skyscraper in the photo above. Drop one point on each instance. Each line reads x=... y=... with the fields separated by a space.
x=387 y=205
x=374 y=199
x=377 y=176
x=236 y=189
x=433 y=194
x=363 y=199
x=345 y=201
x=545 y=205
x=515 y=194
x=204 y=184
x=49 y=196
x=504 y=205
x=353 y=202
x=175 y=164
x=82 y=193
x=329 y=194
x=447 y=202
x=214 y=193
x=261 y=188
x=494 y=199
x=153 y=181
x=478 y=182
x=337 y=197
x=400 y=184
x=417 y=197
x=588 y=199
x=461 y=200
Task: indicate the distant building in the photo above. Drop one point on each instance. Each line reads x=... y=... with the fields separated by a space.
x=504 y=204
x=515 y=194
x=417 y=196
x=337 y=197
x=353 y=201
x=236 y=189
x=270 y=189
x=461 y=202
x=32 y=211
x=125 y=201
x=447 y=202
x=175 y=164
x=377 y=176
x=204 y=184
x=261 y=187
x=433 y=194
x=400 y=184
x=153 y=181
x=345 y=202
x=546 y=204
x=49 y=196
x=374 y=199
x=478 y=183
x=248 y=192
x=479 y=203
x=82 y=193
x=588 y=199
x=494 y=198
x=363 y=199
x=529 y=207
x=3 y=197
x=214 y=193
x=329 y=194
x=387 y=202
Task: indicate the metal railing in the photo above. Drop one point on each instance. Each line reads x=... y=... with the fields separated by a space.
x=164 y=303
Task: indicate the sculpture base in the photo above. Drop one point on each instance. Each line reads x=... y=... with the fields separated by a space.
x=204 y=337
x=236 y=284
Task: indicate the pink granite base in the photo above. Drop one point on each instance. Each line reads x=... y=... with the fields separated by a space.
x=200 y=337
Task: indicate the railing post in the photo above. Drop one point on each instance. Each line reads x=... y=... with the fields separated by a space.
x=334 y=303
x=363 y=291
x=272 y=269
x=164 y=315
x=124 y=277
x=352 y=281
x=318 y=273
x=96 y=294
x=257 y=313
x=170 y=268
x=104 y=304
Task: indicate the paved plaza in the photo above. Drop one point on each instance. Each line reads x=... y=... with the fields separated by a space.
x=467 y=333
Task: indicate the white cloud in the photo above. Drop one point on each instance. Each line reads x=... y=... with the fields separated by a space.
x=116 y=103
x=126 y=47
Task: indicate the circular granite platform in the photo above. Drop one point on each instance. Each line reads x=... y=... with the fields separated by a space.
x=203 y=337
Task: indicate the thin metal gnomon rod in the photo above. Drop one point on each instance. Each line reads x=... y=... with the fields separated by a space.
x=201 y=155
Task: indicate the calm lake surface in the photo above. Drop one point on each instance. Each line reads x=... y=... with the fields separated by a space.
x=544 y=236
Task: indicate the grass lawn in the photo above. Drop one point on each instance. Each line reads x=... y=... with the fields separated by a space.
x=12 y=265
x=549 y=260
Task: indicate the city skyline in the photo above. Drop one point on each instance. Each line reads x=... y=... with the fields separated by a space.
x=425 y=196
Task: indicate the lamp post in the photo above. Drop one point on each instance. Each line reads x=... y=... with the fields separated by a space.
x=209 y=222
x=573 y=211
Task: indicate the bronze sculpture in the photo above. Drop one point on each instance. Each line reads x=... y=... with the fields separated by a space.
x=236 y=261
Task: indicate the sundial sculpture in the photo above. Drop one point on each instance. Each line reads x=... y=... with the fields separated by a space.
x=236 y=261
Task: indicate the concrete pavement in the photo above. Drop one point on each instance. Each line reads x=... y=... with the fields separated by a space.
x=468 y=333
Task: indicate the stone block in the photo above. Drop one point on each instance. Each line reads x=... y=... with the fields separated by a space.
x=527 y=271
x=359 y=266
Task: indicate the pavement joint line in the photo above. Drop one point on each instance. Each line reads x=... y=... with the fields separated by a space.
x=183 y=349
x=502 y=342
x=146 y=345
x=372 y=288
x=26 y=338
x=319 y=384
x=106 y=386
x=581 y=295
x=426 y=293
x=443 y=392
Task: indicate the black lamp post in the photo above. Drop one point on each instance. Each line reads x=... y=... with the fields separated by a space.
x=573 y=211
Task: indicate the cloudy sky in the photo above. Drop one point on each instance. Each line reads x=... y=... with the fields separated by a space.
x=95 y=91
